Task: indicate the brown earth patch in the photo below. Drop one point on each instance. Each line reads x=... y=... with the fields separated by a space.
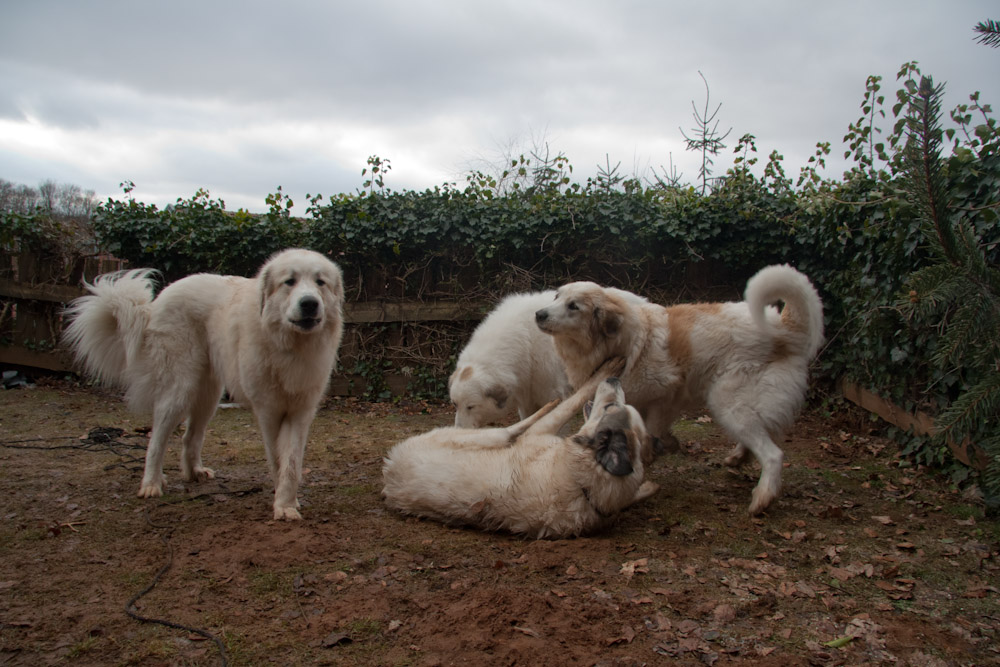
x=861 y=561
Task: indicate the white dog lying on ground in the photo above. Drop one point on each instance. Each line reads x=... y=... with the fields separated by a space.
x=746 y=361
x=271 y=341
x=509 y=364
x=524 y=478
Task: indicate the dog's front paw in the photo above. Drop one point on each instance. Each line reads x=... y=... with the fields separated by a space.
x=286 y=514
x=152 y=488
x=646 y=489
x=201 y=474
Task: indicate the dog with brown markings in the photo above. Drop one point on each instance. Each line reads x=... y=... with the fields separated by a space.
x=747 y=362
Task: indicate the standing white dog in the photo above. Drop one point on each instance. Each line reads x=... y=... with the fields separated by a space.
x=271 y=341
x=745 y=361
x=524 y=478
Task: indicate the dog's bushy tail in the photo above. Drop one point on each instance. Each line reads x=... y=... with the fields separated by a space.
x=107 y=326
x=803 y=311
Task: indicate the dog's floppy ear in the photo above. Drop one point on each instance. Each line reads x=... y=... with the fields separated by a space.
x=498 y=395
x=263 y=284
x=608 y=318
x=610 y=450
x=337 y=284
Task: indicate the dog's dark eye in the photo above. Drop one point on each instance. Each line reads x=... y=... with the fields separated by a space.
x=572 y=305
x=290 y=282
x=320 y=282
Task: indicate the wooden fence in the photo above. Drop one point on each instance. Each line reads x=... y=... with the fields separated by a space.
x=405 y=337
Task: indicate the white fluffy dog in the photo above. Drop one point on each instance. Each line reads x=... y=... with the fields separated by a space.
x=524 y=478
x=271 y=341
x=746 y=361
x=509 y=364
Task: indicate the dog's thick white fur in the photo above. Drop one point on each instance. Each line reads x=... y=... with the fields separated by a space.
x=509 y=364
x=271 y=341
x=746 y=361
x=524 y=478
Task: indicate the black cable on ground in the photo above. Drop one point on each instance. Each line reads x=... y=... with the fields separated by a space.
x=106 y=439
x=130 y=605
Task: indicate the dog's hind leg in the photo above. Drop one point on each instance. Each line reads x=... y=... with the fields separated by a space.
x=753 y=437
x=738 y=409
x=202 y=409
x=167 y=415
x=738 y=456
x=769 y=485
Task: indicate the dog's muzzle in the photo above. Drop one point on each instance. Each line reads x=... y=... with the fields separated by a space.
x=308 y=313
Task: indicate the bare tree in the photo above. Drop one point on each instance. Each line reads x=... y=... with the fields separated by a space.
x=55 y=199
x=48 y=195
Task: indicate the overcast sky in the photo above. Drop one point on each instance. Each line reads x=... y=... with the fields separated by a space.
x=239 y=97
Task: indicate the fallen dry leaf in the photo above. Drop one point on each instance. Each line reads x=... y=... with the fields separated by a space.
x=724 y=613
x=626 y=636
x=630 y=568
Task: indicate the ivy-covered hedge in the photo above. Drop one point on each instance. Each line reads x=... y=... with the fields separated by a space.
x=446 y=242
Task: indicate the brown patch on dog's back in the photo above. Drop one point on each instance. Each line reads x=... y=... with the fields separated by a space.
x=680 y=321
x=791 y=322
x=780 y=351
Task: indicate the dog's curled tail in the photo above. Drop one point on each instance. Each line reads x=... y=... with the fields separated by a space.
x=803 y=311
x=107 y=326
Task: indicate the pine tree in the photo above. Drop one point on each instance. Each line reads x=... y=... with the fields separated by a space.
x=989 y=33
x=959 y=290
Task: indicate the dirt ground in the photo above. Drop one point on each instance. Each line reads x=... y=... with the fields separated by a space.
x=862 y=560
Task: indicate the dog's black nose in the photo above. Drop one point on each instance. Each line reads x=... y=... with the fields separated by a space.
x=308 y=306
x=541 y=315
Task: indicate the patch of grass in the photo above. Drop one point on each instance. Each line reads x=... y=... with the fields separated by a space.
x=144 y=647
x=358 y=489
x=239 y=649
x=690 y=429
x=964 y=512
x=82 y=647
x=360 y=629
x=26 y=534
x=268 y=583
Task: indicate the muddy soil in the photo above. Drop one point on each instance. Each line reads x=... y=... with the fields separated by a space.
x=863 y=560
